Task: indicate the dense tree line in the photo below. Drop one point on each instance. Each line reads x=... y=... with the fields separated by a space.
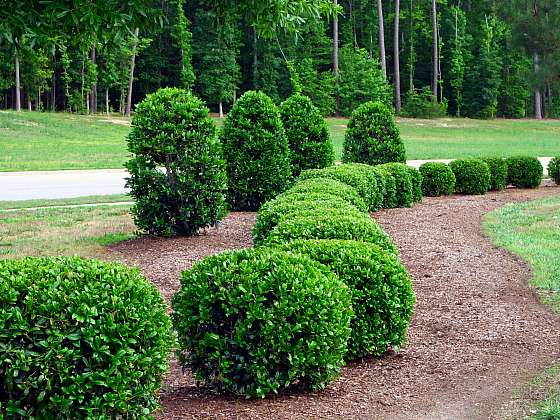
x=478 y=59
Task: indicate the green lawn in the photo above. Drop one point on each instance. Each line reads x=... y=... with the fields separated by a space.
x=45 y=141
x=532 y=230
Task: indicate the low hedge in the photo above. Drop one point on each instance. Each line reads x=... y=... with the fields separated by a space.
x=390 y=193
x=416 y=179
x=257 y=321
x=351 y=227
x=382 y=295
x=357 y=176
x=498 y=172
x=273 y=212
x=472 y=176
x=327 y=186
x=554 y=169
x=524 y=171
x=437 y=179
x=403 y=183
x=80 y=339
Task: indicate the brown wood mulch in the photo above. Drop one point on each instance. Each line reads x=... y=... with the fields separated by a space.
x=477 y=334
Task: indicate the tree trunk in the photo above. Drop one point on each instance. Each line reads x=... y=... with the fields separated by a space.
x=435 y=71
x=53 y=94
x=131 y=77
x=87 y=103
x=382 y=38
x=411 y=41
x=18 y=88
x=93 y=95
x=221 y=110
x=107 y=101
x=335 y=59
x=538 y=95
x=396 y=55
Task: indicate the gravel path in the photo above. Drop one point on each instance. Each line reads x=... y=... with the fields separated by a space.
x=478 y=331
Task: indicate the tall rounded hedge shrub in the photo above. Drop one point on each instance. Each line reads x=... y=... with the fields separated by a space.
x=554 y=169
x=373 y=137
x=256 y=151
x=80 y=339
x=308 y=134
x=404 y=192
x=177 y=173
x=257 y=321
x=498 y=172
x=382 y=295
x=350 y=227
x=524 y=171
x=472 y=176
x=273 y=212
x=358 y=176
x=437 y=179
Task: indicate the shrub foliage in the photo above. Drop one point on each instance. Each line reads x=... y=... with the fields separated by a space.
x=257 y=321
x=498 y=172
x=326 y=186
x=524 y=171
x=177 y=174
x=472 y=176
x=80 y=339
x=437 y=179
x=554 y=169
x=416 y=180
x=307 y=133
x=256 y=151
x=382 y=296
x=404 y=194
x=373 y=137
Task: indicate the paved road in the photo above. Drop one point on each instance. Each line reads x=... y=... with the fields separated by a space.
x=65 y=184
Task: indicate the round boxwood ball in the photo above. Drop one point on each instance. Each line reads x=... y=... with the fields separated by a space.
x=382 y=295
x=256 y=151
x=437 y=179
x=472 y=176
x=554 y=169
x=373 y=137
x=308 y=134
x=498 y=172
x=524 y=171
x=177 y=172
x=80 y=339
x=257 y=321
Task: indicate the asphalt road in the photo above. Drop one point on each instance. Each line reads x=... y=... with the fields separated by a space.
x=66 y=184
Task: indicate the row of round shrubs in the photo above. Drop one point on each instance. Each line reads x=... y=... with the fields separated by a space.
x=478 y=176
x=324 y=285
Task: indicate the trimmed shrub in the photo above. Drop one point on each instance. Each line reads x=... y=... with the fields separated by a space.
x=373 y=137
x=177 y=173
x=257 y=321
x=358 y=176
x=498 y=172
x=326 y=186
x=524 y=171
x=423 y=104
x=472 y=176
x=437 y=179
x=416 y=179
x=403 y=183
x=390 y=197
x=271 y=213
x=351 y=227
x=554 y=169
x=80 y=339
x=382 y=295
x=256 y=151
x=308 y=134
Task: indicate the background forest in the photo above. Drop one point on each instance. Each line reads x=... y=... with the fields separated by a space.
x=427 y=58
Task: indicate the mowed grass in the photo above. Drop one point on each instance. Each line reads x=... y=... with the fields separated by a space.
x=48 y=231
x=45 y=141
x=532 y=230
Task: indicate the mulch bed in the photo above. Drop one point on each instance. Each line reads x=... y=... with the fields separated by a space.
x=477 y=334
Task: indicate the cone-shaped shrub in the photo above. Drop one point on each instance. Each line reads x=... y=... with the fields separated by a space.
x=472 y=176
x=382 y=296
x=80 y=339
x=498 y=172
x=177 y=173
x=437 y=179
x=257 y=321
x=256 y=151
x=524 y=171
x=307 y=133
x=373 y=137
